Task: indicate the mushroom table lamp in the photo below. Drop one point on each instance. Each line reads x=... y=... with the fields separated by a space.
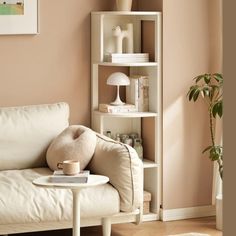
x=118 y=79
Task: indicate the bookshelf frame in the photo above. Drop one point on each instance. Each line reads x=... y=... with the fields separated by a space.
x=144 y=123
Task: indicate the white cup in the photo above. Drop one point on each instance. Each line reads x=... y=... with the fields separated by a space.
x=69 y=167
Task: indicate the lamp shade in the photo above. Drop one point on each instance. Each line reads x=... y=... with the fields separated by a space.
x=118 y=78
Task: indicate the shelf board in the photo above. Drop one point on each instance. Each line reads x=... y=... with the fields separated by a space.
x=127 y=13
x=150 y=217
x=149 y=164
x=146 y=64
x=127 y=114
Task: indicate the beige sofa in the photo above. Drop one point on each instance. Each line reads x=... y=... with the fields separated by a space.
x=25 y=134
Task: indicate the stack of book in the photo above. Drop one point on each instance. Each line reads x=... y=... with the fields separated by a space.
x=59 y=177
x=137 y=92
x=128 y=57
x=107 y=108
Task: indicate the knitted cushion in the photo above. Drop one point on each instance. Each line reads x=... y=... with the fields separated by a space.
x=75 y=143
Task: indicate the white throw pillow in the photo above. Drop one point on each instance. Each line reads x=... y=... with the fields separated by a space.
x=76 y=142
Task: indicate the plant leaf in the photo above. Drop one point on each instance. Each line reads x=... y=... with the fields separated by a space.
x=198 y=78
x=207 y=78
x=191 y=94
x=218 y=77
x=196 y=94
x=206 y=91
x=214 y=155
x=206 y=149
x=217 y=109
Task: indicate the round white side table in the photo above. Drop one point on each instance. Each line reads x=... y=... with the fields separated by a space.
x=93 y=180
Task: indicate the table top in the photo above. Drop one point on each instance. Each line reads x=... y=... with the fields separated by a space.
x=93 y=180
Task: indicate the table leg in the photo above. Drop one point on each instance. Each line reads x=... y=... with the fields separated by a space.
x=76 y=212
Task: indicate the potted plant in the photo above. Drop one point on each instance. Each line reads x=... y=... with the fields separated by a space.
x=209 y=88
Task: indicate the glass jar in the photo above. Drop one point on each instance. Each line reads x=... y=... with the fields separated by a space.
x=108 y=134
x=133 y=136
x=129 y=141
x=117 y=138
x=124 y=137
x=138 y=147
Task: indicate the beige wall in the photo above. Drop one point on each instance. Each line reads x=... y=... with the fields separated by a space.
x=187 y=174
x=216 y=35
x=54 y=65
x=189 y=48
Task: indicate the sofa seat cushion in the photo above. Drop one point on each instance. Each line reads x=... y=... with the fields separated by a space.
x=23 y=202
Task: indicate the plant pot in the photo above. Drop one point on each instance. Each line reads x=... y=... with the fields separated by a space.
x=219 y=212
x=123 y=5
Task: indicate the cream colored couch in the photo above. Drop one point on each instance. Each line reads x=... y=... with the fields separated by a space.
x=25 y=134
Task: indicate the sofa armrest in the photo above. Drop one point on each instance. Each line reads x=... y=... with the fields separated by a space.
x=122 y=165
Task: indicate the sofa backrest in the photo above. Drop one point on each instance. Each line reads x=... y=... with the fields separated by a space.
x=26 y=132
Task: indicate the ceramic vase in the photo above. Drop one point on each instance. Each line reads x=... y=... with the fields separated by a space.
x=123 y=5
x=219 y=212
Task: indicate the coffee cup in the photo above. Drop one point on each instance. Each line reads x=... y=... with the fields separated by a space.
x=69 y=167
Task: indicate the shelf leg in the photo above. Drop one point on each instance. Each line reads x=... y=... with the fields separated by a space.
x=139 y=217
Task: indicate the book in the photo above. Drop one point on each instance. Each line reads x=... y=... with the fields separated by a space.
x=137 y=92
x=59 y=177
x=107 y=108
x=128 y=57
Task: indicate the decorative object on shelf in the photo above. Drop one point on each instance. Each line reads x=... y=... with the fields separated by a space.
x=127 y=57
x=117 y=138
x=147 y=197
x=107 y=108
x=133 y=136
x=124 y=5
x=19 y=17
x=138 y=92
x=120 y=35
x=124 y=137
x=108 y=134
x=209 y=87
x=118 y=79
x=138 y=147
x=128 y=141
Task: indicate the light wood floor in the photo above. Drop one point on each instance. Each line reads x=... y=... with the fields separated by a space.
x=155 y=228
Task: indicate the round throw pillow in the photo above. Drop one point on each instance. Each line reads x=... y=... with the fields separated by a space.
x=74 y=143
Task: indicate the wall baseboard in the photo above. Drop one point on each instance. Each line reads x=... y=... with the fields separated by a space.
x=187 y=213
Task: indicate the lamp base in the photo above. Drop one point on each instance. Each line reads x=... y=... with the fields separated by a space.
x=117 y=103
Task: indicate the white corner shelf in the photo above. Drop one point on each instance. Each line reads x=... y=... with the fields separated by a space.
x=131 y=64
x=150 y=217
x=147 y=31
x=126 y=13
x=149 y=164
x=127 y=114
